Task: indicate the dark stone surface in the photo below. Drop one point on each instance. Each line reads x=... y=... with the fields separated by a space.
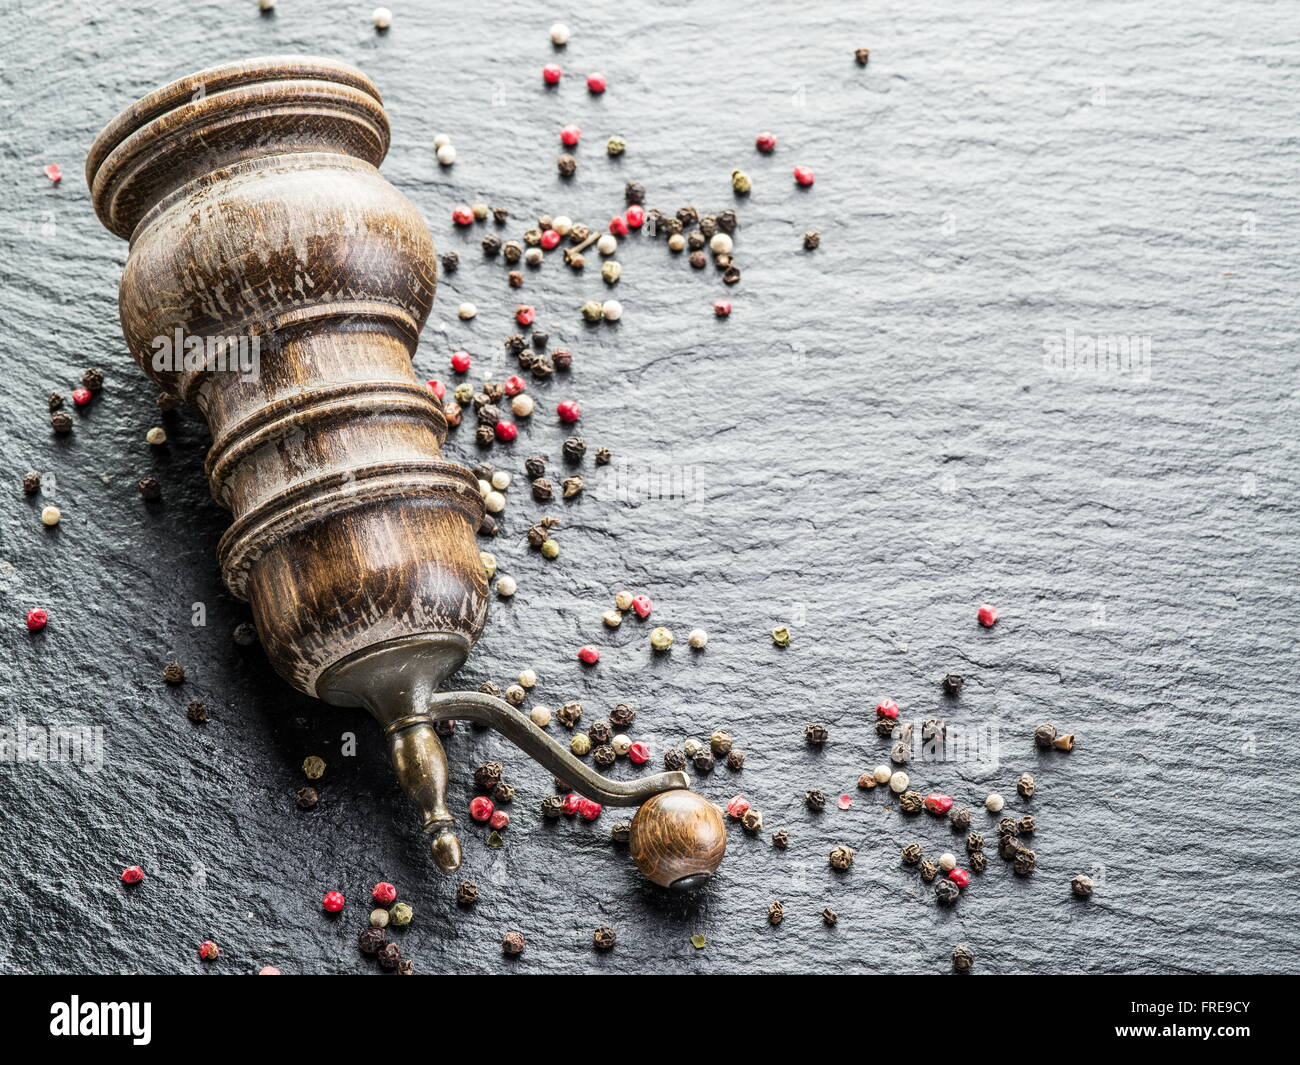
x=870 y=447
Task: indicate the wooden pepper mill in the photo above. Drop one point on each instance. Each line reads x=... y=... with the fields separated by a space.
x=259 y=223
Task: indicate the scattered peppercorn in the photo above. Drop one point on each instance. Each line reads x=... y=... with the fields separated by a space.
x=1044 y=735
x=174 y=673
x=389 y=956
x=1025 y=785
x=959 y=818
x=811 y=240
x=513 y=943
x=979 y=861
x=703 y=762
x=751 y=820
x=928 y=870
x=815 y=799
x=775 y=913
x=1082 y=886
x=31 y=483
x=313 y=767
x=209 y=951
x=946 y=892
x=912 y=853
x=371 y=940
x=910 y=802
x=841 y=857
x=816 y=734
x=567 y=165
x=862 y=55
x=780 y=839
x=1024 y=861
x=197 y=712
x=1027 y=824
x=952 y=683
x=962 y=958
x=467 y=893
x=974 y=842
x=781 y=636
x=401 y=914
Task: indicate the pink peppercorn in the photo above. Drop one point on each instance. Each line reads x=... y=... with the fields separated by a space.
x=988 y=615
x=82 y=396
x=642 y=605
x=960 y=877
x=596 y=83
x=132 y=874
x=938 y=804
x=514 y=384
x=551 y=73
x=569 y=411
x=803 y=175
x=209 y=951
x=499 y=820
x=765 y=142
x=333 y=901
x=639 y=753
x=572 y=802
x=480 y=808
x=37 y=619
x=524 y=314
x=550 y=239
x=384 y=893
x=462 y=215
x=589 y=653
x=635 y=216
x=437 y=388
x=887 y=708
x=588 y=809
x=460 y=361
x=737 y=807
x=722 y=308
x=506 y=431
x=844 y=802
x=54 y=172
x=269 y=970
x=618 y=226
x=570 y=135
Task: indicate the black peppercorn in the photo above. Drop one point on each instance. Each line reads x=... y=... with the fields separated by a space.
x=307 y=798
x=552 y=806
x=389 y=956
x=31 y=483
x=1027 y=824
x=490 y=688
x=196 y=711
x=962 y=958
x=1044 y=735
x=574 y=448
x=708 y=225
x=830 y=917
x=1082 y=886
x=573 y=486
x=500 y=215
x=703 y=762
x=910 y=802
x=467 y=893
x=633 y=192
x=488 y=414
x=567 y=165
x=491 y=244
x=603 y=755
x=174 y=673
x=974 y=842
x=540 y=364
x=735 y=760
x=515 y=279
x=622 y=715
x=979 y=861
x=812 y=239
x=959 y=818
x=562 y=358
x=513 y=943
x=1025 y=785
x=841 y=857
x=695 y=240
x=674 y=760
x=483 y=436
x=885 y=726
x=946 y=891
x=371 y=940
x=543 y=492
x=484 y=471
x=600 y=732
x=699 y=260
x=504 y=792
x=1008 y=827
x=912 y=853
x=540 y=338
x=535 y=467
x=1007 y=847
x=488 y=775
x=727 y=221
x=450 y=261
x=569 y=713
x=672 y=226
x=751 y=820
x=775 y=913
x=816 y=734
x=952 y=683
x=603 y=456
x=149 y=488
x=56 y=401
x=688 y=216
x=93 y=379
x=815 y=799
x=862 y=55
x=731 y=275
x=928 y=870
x=780 y=839
x=61 y=422
x=603 y=938
x=1024 y=861
x=621 y=831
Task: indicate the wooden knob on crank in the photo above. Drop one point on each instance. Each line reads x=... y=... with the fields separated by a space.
x=678 y=839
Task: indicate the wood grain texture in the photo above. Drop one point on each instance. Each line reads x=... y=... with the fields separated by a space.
x=676 y=835
x=256 y=214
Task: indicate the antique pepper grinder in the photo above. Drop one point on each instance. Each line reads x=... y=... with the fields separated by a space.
x=256 y=215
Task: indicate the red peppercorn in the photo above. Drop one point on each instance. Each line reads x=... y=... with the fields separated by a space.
x=642 y=605
x=635 y=216
x=82 y=396
x=506 y=431
x=596 y=83
x=765 y=142
x=960 y=877
x=437 y=388
x=550 y=239
x=887 y=708
x=384 y=893
x=572 y=802
x=209 y=951
x=462 y=215
x=499 y=820
x=551 y=73
x=460 y=361
x=514 y=384
x=524 y=314
x=132 y=874
x=480 y=808
x=333 y=901
x=589 y=810
x=722 y=308
x=844 y=802
x=618 y=226
x=988 y=616
x=938 y=804
x=568 y=410
x=589 y=653
x=37 y=619
x=639 y=753
x=803 y=175
x=570 y=135
x=54 y=172
x=737 y=806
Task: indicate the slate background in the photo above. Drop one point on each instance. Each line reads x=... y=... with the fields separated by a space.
x=870 y=447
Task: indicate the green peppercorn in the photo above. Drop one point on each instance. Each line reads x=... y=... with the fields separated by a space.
x=550 y=549
x=741 y=183
x=592 y=311
x=616 y=146
x=661 y=638
x=580 y=744
x=781 y=636
x=401 y=914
